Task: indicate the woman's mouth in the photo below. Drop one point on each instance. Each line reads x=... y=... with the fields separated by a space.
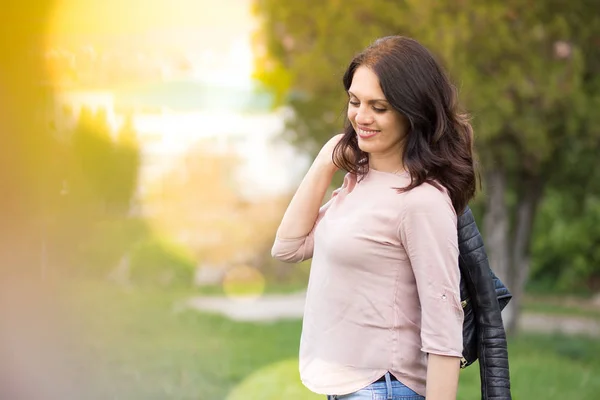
x=366 y=133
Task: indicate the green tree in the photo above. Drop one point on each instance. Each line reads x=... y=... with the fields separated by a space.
x=95 y=178
x=565 y=249
x=126 y=164
x=526 y=70
x=104 y=178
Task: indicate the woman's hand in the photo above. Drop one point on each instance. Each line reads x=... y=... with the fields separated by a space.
x=325 y=157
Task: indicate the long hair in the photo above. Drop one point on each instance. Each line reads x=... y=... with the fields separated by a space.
x=438 y=147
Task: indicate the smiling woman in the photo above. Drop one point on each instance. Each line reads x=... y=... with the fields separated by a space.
x=384 y=278
x=379 y=127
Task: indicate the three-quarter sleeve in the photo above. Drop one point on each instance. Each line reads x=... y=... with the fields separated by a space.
x=429 y=235
x=295 y=250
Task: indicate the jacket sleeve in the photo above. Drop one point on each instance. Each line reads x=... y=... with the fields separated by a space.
x=491 y=336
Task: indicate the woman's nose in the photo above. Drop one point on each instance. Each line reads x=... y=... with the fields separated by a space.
x=363 y=117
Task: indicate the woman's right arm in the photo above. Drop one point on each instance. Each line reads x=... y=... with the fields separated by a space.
x=302 y=212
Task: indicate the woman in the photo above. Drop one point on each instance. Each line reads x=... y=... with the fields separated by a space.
x=383 y=314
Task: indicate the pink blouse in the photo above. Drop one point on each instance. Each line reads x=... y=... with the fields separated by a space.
x=383 y=291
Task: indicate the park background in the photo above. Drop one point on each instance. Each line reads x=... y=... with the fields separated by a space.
x=150 y=148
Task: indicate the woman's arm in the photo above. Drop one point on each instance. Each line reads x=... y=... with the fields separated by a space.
x=303 y=210
x=429 y=236
x=442 y=377
x=301 y=214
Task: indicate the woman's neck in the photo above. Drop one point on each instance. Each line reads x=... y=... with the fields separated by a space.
x=386 y=164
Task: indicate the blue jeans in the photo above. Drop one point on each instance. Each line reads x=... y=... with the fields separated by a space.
x=388 y=390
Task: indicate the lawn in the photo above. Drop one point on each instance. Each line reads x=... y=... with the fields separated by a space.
x=145 y=346
x=557 y=306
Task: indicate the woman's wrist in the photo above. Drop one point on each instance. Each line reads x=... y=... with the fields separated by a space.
x=325 y=165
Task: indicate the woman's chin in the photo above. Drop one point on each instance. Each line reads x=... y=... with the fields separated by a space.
x=366 y=146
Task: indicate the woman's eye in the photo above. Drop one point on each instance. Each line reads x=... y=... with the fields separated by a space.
x=355 y=103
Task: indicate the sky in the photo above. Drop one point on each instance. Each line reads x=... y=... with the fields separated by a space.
x=131 y=16
x=217 y=32
x=213 y=30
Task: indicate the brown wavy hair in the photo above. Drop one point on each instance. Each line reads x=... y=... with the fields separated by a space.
x=438 y=148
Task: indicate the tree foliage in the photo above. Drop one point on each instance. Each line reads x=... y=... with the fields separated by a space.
x=520 y=66
x=94 y=183
x=103 y=177
x=528 y=72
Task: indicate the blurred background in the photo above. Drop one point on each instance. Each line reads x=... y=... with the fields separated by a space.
x=150 y=149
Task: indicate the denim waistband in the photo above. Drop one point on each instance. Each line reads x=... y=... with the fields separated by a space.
x=387 y=388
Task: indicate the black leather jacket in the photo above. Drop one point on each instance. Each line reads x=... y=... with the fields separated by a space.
x=483 y=297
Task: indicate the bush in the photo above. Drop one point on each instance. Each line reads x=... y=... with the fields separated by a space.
x=565 y=255
x=157 y=262
x=109 y=240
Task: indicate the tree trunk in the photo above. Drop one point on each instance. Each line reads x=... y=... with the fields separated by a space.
x=528 y=201
x=496 y=224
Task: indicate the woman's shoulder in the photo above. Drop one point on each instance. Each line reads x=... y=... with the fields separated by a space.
x=349 y=182
x=347 y=186
x=427 y=197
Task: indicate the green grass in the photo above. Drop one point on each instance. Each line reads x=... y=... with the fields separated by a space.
x=559 y=306
x=546 y=367
x=144 y=347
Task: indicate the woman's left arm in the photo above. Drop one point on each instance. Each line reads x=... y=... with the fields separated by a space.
x=429 y=236
x=442 y=377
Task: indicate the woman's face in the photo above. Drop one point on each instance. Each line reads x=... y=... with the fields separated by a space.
x=379 y=127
